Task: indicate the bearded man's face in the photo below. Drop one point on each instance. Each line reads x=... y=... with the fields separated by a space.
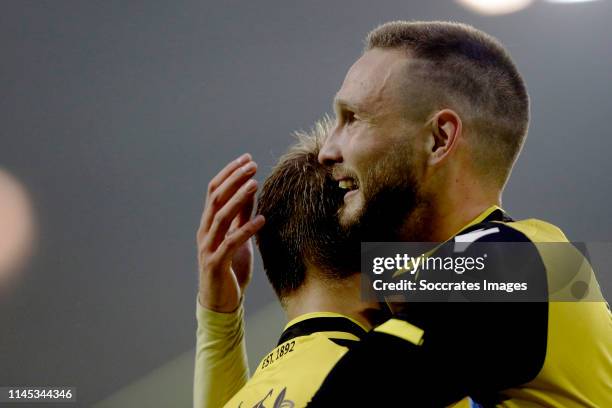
x=372 y=149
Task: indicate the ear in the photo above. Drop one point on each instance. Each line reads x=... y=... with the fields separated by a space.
x=444 y=132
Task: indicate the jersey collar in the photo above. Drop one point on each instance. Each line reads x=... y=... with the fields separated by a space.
x=310 y=323
x=493 y=213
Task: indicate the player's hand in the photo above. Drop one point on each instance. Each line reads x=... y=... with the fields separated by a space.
x=225 y=251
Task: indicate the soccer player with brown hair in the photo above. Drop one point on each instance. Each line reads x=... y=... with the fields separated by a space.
x=429 y=123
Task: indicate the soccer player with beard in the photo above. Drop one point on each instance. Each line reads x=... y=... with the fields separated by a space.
x=430 y=121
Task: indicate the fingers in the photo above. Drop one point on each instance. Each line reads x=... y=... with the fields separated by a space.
x=218 y=197
x=227 y=170
x=240 y=236
x=245 y=214
x=223 y=218
x=224 y=263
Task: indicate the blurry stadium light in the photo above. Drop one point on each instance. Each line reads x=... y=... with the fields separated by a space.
x=495 y=7
x=569 y=1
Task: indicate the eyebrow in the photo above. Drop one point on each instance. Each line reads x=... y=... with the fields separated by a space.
x=340 y=103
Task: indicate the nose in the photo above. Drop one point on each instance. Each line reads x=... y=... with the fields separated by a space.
x=330 y=152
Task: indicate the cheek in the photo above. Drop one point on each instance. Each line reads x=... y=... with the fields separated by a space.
x=366 y=147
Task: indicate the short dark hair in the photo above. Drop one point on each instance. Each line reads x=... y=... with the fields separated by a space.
x=467 y=70
x=300 y=201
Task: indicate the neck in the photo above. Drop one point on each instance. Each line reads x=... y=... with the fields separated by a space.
x=342 y=297
x=443 y=215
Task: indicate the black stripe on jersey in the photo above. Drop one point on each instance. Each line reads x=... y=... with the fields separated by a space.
x=321 y=324
x=498 y=215
x=344 y=342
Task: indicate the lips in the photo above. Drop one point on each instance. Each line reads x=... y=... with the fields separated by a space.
x=350 y=194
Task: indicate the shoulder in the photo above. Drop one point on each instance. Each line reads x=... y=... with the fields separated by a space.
x=293 y=371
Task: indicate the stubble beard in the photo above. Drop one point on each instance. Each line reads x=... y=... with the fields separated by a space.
x=390 y=199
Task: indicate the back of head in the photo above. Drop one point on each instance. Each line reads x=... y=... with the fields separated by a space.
x=300 y=201
x=459 y=67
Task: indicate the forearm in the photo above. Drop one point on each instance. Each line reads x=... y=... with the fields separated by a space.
x=221 y=367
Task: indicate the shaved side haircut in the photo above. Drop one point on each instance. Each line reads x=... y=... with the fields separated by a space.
x=457 y=66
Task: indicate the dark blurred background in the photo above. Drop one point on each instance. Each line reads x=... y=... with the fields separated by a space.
x=115 y=114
